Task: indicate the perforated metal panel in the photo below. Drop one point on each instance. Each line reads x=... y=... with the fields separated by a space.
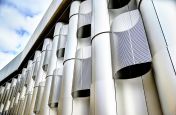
x=36 y=68
x=36 y=62
x=82 y=68
x=39 y=97
x=84 y=20
x=62 y=41
x=28 y=72
x=82 y=73
x=130 y=50
x=47 y=57
x=84 y=25
x=55 y=91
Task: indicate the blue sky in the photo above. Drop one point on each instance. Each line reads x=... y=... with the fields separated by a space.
x=18 y=20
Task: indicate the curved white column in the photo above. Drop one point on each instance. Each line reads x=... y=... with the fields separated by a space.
x=10 y=95
x=1 y=92
x=2 y=97
x=82 y=67
x=21 y=101
x=45 y=66
x=6 y=92
x=102 y=87
x=36 y=65
x=38 y=75
x=55 y=91
x=45 y=109
x=138 y=96
x=159 y=20
x=14 y=96
x=29 y=92
x=39 y=97
x=131 y=66
x=22 y=90
x=66 y=104
x=27 y=86
x=17 y=94
x=11 y=105
x=23 y=97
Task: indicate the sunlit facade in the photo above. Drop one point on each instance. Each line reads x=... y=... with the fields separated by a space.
x=96 y=57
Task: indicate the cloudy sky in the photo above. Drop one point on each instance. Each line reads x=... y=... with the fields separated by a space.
x=18 y=20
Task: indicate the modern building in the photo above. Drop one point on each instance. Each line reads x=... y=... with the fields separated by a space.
x=96 y=57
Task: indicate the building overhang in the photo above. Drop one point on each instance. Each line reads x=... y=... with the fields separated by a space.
x=57 y=11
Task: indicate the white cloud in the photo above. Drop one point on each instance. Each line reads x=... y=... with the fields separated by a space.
x=30 y=6
x=5 y=58
x=9 y=40
x=18 y=20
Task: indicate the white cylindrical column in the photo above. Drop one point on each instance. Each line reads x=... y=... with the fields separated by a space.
x=55 y=90
x=1 y=92
x=39 y=97
x=6 y=108
x=131 y=62
x=82 y=68
x=14 y=94
x=17 y=95
x=66 y=100
x=11 y=105
x=36 y=63
x=45 y=67
x=160 y=29
x=30 y=87
x=28 y=84
x=34 y=70
x=7 y=90
x=10 y=95
x=21 y=101
x=39 y=75
x=47 y=57
x=56 y=95
x=23 y=78
x=103 y=101
x=128 y=35
x=45 y=109
x=22 y=91
x=4 y=97
x=28 y=73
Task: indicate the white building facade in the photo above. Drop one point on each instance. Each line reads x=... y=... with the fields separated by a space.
x=96 y=57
